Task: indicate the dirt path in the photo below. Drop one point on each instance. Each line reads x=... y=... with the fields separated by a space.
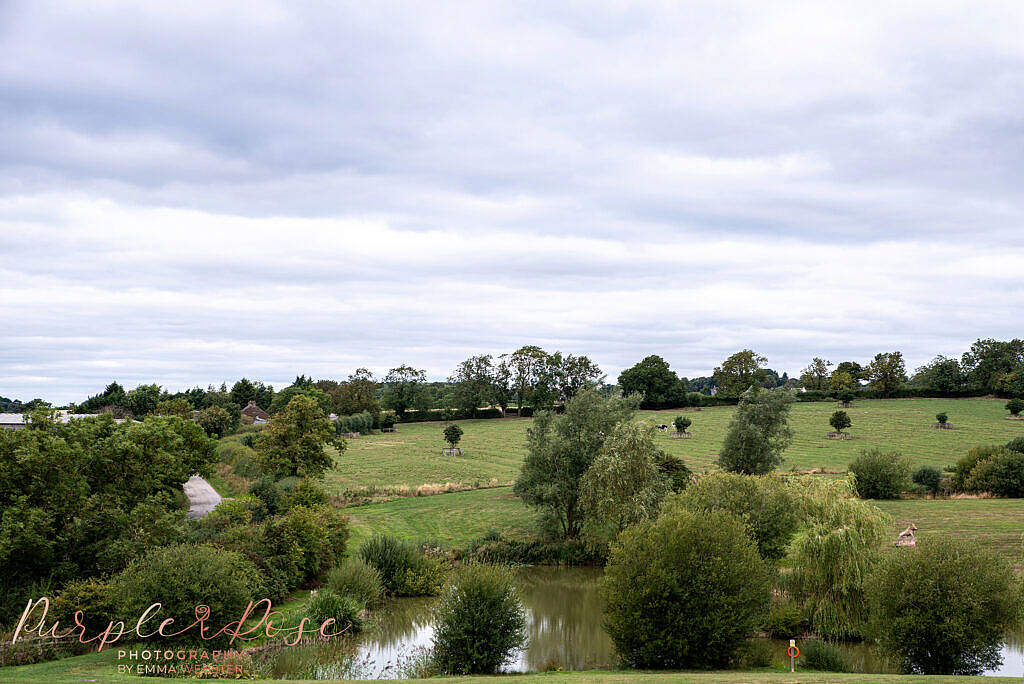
x=201 y=496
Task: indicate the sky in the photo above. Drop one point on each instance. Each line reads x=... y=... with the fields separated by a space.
x=192 y=192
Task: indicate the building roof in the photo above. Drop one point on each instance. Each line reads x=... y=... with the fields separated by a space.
x=254 y=411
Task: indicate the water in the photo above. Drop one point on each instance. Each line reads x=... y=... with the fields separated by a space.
x=564 y=627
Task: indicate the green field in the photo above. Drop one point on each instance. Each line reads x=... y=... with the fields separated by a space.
x=494 y=449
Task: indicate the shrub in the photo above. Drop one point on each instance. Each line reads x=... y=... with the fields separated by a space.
x=785 y=621
x=846 y=396
x=185 y=576
x=823 y=656
x=762 y=503
x=496 y=549
x=758 y=432
x=481 y=622
x=1015 y=406
x=680 y=583
x=1016 y=444
x=880 y=475
x=943 y=607
x=321 y=535
x=97 y=599
x=682 y=423
x=269 y=495
x=358 y=579
x=966 y=465
x=695 y=399
x=361 y=423
x=672 y=467
x=404 y=569
x=325 y=604
x=942 y=418
x=249 y=440
x=928 y=477
x=452 y=435
x=308 y=493
x=840 y=420
x=755 y=653
x=1001 y=474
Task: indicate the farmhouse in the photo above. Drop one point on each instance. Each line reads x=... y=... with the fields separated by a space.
x=254 y=414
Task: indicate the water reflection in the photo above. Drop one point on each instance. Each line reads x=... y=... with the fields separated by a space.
x=564 y=626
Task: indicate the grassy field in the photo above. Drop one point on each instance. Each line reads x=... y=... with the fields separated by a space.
x=494 y=449
x=102 y=667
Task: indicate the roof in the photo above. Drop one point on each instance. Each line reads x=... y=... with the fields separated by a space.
x=254 y=411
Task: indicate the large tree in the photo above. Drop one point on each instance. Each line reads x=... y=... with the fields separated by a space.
x=941 y=373
x=739 y=372
x=887 y=372
x=473 y=383
x=357 y=394
x=758 y=432
x=532 y=379
x=987 y=360
x=296 y=441
x=815 y=375
x=572 y=374
x=405 y=389
x=302 y=386
x=654 y=381
x=560 y=449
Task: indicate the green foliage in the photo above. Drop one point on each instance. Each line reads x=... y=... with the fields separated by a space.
x=966 y=465
x=216 y=421
x=762 y=503
x=739 y=372
x=684 y=591
x=325 y=604
x=183 y=577
x=755 y=653
x=823 y=656
x=1016 y=444
x=1000 y=474
x=561 y=448
x=834 y=555
x=1015 y=406
x=480 y=622
x=656 y=383
x=846 y=396
x=928 y=477
x=942 y=418
x=785 y=620
x=840 y=420
x=878 y=475
x=987 y=361
x=452 y=435
x=943 y=607
x=302 y=387
x=815 y=376
x=359 y=422
x=673 y=468
x=269 y=495
x=295 y=441
x=358 y=579
x=404 y=569
x=99 y=601
x=308 y=493
x=758 y=432
x=623 y=485
x=404 y=390
x=681 y=423
x=887 y=372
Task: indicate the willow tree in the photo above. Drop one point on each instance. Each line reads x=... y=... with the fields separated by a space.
x=834 y=555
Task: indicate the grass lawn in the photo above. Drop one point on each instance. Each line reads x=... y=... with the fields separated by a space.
x=102 y=667
x=494 y=449
x=453 y=519
x=995 y=524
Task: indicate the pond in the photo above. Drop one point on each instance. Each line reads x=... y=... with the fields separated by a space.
x=564 y=627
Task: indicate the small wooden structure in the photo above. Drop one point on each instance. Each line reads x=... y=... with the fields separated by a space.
x=942 y=426
x=681 y=435
x=390 y=429
x=839 y=435
x=457 y=451
x=906 y=537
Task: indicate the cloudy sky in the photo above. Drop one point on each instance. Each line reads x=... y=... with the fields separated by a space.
x=195 y=191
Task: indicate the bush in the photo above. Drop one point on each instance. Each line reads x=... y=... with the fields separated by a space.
x=404 y=569
x=880 y=475
x=695 y=399
x=942 y=418
x=1015 y=406
x=840 y=420
x=358 y=579
x=185 y=576
x=269 y=495
x=823 y=656
x=1016 y=444
x=785 y=621
x=321 y=535
x=846 y=396
x=493 y=548
x=966 y=465
x=480 y=622
x=97 y=599
x=1001 y=474
x=762 y=503
x=928 y=477
x=755 y=653
x=325 y=604
x=681 y=583
x=672 y=467
x=361 y=423
x=682 y=423
x=943 y=607
x=308 y=493
x=452 y=435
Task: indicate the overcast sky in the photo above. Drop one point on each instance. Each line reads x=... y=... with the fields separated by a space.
x=191 y=192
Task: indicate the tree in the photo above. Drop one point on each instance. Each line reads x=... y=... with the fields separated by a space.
x=856 y=371
x=404 y=389
x=654 y=381
x=846 y=397
x=928 y=477
x=841 y=381
x=739 y=372
x=989 y=359
x=530 y=380
x=357 y=394
x=941 y=373
x=682 y=423
x=216 y=421
x=758 y=432
x=942 y=418
x=296 y=440
x=560 y=449
x=840 y=420
x=473 y=383
x=763 y=503
x=684 y=591
x=887 y=372
x=142 y=400
x=573 y=373
x=815 y=375
x=880 y=475
x=302 y=386
x=944 y=607
x=178 y=406
x=623 y=486
x=242 y=392
x=1015 y=406
x=452 y=435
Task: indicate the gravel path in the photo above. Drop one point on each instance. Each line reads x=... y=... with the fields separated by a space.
x=201 y=496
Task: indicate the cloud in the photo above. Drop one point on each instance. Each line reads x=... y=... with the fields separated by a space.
x=196 y=191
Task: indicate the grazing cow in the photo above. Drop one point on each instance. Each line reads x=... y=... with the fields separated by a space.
x=662 y=427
